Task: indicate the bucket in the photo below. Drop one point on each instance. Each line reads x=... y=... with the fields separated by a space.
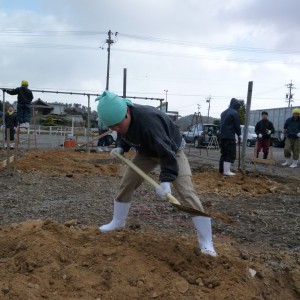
x=70 y=143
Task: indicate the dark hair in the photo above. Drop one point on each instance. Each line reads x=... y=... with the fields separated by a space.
x=264 y=113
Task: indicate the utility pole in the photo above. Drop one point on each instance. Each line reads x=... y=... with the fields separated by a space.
x=109 y=41
x=208 y=101
x=289 y=95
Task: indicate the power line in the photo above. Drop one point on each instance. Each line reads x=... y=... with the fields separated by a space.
x=13 y=32
x=207 y=45
x=174 y=54
x=48 y=46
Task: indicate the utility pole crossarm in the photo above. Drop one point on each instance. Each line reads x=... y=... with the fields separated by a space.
x=289 y=95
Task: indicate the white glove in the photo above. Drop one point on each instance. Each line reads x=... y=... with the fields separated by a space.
x=269 y=132
x=163 y=189
x=118 y=150
x=260 y=136
x=298 y=134
x=282 y=136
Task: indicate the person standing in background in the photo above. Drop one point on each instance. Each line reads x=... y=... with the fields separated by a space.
x=291 y=130
x=25 y=97
x=230 y=126
x=10 y=123
x=103 y=142
x=264 y=128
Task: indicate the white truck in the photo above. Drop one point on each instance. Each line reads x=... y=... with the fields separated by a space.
x=278 y=117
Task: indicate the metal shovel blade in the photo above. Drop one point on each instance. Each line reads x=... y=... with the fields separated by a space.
x=190 y=210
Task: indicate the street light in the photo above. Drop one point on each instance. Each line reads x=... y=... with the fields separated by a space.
x=208 y=101
x=199 y=106
x=166 y=95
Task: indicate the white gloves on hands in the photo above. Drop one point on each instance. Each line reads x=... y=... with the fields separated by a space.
x=163 y=189
x=282 y=136
x=298 y=134
x=269 y=132
x=118 y=150
x=260 y=136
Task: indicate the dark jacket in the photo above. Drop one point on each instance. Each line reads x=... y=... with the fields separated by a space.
x=101 y=127
x=11 y=120
x=292 y=127
x=25 y=95
x=153 y=134
x=230 y=121
x=262 y=127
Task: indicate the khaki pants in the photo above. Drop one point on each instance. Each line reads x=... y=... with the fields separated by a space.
x=292 y=145
x=183 y=183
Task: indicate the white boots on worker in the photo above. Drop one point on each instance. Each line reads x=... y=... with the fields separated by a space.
x=102 y=149
x=202 y=225
x=121 y=210
x=226 y=166
x=288 y=162
x=294 y=164
x=204 y=234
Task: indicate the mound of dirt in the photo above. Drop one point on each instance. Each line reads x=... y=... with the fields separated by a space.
x=75 y=164
x=49 y=260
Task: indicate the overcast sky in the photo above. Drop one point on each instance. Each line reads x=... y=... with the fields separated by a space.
x=192 y=48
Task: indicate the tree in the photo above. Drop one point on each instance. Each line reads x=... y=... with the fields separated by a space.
x=217 y=122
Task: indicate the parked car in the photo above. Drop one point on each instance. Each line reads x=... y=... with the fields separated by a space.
x=200 y=134
x=251 y=135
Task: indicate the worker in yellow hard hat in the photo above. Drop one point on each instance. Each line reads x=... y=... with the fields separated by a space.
x=24 y=83
x=25 y=97
x=292 y=142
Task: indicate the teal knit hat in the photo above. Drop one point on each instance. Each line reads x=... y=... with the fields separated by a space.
x=112 y=108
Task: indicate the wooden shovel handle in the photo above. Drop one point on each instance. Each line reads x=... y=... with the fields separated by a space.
x=170 y=197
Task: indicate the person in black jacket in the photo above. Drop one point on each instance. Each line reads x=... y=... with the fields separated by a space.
x=291 y=130
x=229 y=128
x=10 y=123
x=157 y=141
x=263 y=129
x=103 y=142
x=25 y=97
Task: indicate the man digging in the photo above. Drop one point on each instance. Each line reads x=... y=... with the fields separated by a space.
x=158 y=142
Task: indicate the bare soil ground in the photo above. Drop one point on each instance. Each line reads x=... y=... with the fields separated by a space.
x=51 y=248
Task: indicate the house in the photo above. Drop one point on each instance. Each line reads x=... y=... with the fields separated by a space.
x=58 y=108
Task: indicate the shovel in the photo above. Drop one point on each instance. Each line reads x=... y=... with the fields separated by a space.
x=170 y=197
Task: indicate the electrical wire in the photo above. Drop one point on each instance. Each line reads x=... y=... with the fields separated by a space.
x=206 y=57
x=13 y=32
x=207 y=45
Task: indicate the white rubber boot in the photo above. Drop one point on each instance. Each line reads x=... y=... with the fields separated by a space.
x=226 y=167
x=106 y=149
x=294 y=164
x=286 y=163
x=121 y=210
x=204 y=234
x=99 y=149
